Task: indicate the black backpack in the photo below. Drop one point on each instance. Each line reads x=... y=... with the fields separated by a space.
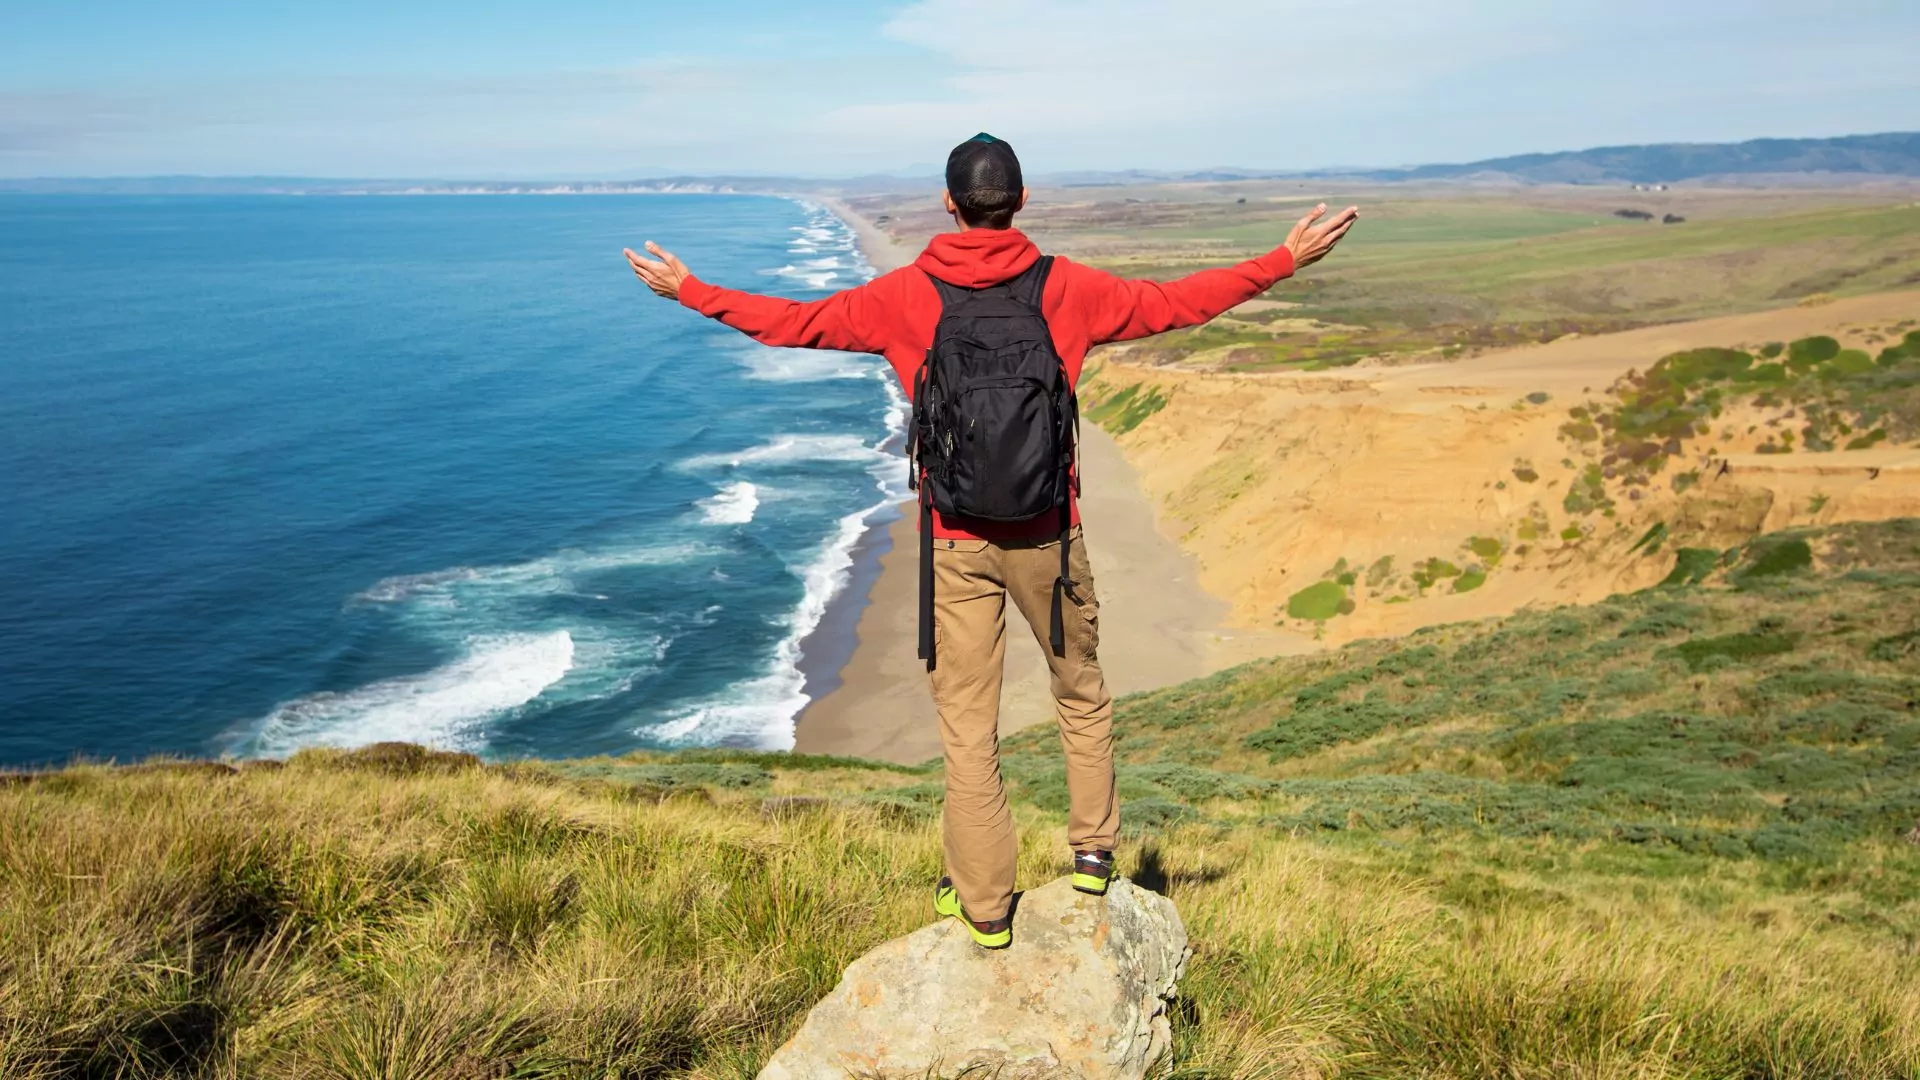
x=994 y=424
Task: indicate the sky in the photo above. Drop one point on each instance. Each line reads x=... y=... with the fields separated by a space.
x=601 y=90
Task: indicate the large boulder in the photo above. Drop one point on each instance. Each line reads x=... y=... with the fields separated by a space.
x=1082 y=993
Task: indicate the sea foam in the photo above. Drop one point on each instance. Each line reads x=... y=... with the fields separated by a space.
x=759 y=712
x=732 y=505
x=442 y=707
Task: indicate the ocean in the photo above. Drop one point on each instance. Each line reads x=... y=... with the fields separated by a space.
x=281 y=472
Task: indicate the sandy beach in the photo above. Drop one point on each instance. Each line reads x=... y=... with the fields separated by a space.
x=1157 y=625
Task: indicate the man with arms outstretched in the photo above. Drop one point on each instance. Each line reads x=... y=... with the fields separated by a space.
x=980 y=563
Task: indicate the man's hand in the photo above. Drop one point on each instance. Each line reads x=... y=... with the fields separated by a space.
x=663 y=277
x=1310 y=242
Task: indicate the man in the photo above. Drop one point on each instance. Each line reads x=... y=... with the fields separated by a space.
x=979 y=564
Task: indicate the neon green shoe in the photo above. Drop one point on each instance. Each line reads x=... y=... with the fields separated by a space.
x=1092 y=871
x=997 y=934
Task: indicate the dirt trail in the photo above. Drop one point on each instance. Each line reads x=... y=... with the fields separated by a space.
x=1273 y=480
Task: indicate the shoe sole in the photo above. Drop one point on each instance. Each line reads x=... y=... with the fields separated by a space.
x=947 y=902
x=1090 y=885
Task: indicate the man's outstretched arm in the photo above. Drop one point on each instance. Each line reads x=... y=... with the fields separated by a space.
x=1131 y=309
x=842 y=321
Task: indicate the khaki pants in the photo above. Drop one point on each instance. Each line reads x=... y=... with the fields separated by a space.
x=972 y=581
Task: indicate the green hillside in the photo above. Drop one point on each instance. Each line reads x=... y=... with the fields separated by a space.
x=1662 y=836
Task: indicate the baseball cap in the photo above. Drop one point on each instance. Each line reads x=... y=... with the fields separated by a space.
x=983 y=175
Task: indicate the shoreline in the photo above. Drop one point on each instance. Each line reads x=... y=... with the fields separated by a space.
x=868 y=695
x=828 y=650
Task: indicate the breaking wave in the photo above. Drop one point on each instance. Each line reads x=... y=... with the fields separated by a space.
x=443 y=707
x=733 y=505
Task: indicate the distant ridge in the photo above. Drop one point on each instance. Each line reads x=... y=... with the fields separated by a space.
x=1892 y=154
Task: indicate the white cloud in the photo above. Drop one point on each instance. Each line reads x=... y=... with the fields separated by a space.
x=1303 y=83
x=1075 y=83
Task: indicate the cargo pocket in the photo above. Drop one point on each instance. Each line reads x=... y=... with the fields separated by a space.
x=1088 y=646
x=1086 y=599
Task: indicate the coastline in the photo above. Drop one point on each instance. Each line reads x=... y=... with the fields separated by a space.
x=1158 y=626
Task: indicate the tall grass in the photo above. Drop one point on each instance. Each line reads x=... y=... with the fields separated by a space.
x=325 y=921
x=1551 y=846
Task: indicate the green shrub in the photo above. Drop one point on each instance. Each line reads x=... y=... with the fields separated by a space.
x=1896 y=647
x=1316 y=727
x=1665 y=620
x=1319 y=602
x=1470 y=580
x=1650 y=540
x=1773 y=556
x=1703 y=365
x=1190 y=783
x=1809 y=351
x=1154 y=815
x=1379 y=573
x=1848 y=362
x=1701 y=653
x=1691 y=566
x=1433 y=570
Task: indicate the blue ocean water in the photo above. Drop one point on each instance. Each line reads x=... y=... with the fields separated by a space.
x=278 y=472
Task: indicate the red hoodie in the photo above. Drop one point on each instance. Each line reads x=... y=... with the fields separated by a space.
x=894 y=315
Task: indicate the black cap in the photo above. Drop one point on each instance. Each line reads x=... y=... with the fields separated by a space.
x=983 y=175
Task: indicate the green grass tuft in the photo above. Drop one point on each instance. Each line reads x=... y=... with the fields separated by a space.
x=1319 y=602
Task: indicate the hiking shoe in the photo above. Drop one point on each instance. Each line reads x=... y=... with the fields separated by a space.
x=997 y=934
x=1092 y=871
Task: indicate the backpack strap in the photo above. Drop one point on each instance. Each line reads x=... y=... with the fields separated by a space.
x=1062 y=585
x=918 y=483
x=926 y=578
x=950 y=294
x=1030 y=285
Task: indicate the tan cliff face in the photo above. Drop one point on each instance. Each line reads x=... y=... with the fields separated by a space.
x=1424 y=494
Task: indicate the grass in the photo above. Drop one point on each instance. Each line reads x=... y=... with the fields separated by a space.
x=1443 y=275
x=1439 y=271
x=1661 y=836
x=1319 y=602
x=1120 y=411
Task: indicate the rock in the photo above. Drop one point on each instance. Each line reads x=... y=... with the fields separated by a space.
x=1082 y=993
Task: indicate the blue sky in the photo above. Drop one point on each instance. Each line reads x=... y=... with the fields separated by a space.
x=426 y=88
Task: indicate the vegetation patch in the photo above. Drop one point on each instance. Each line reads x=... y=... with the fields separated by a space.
x=1896 y=647
x=1772 y=557
x=1121 y=411
x=1702 y=653
x=1320 y=601
x=1691 y=566
x=1432 y=571
x=1836 y=398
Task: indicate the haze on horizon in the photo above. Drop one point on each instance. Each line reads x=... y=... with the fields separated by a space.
x=595 y=89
